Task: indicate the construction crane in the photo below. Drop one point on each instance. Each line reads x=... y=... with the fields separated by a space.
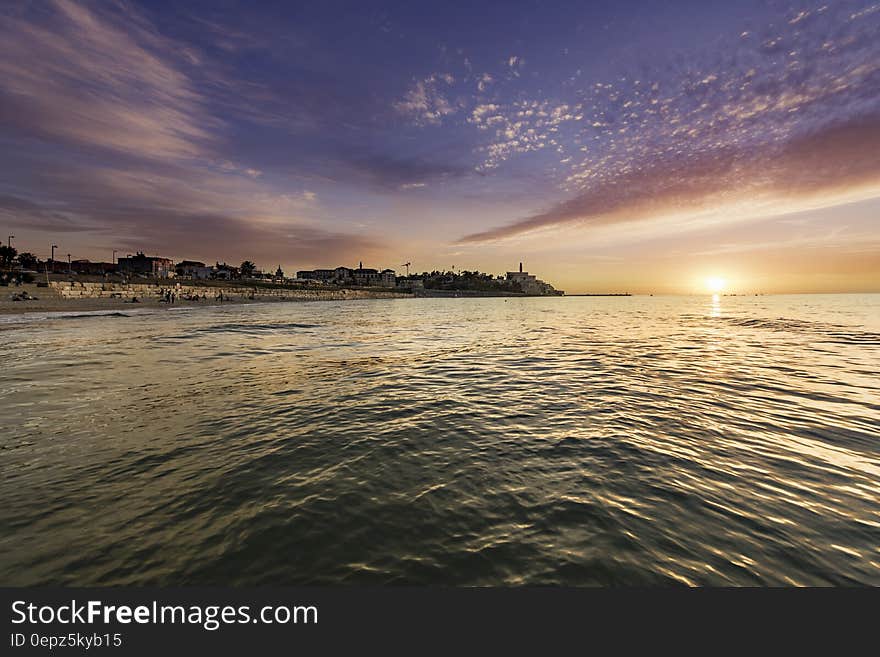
x=406 y=264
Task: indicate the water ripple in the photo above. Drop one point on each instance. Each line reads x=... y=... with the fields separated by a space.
x=585 y=441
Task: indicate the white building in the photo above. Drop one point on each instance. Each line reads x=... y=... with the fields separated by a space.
x=529 y=283
x=194 y=270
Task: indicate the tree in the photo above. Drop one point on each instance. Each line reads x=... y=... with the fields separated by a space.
x=247 y=268
x=28 y=260
x=7 y=255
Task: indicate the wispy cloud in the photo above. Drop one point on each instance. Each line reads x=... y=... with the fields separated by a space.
x=791 y=114
x=105 y=81
x=425 y=102
x=832 y=163
x=514 y=64
x=114 y=136
x=22 y=213
x=526 y=127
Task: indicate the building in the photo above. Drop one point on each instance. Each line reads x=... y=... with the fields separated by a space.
x=87 y=268
x=143 y=265
x=387 y=278
x=362 y=276
x=57 y=266
x=366 y=277
x=411 y=283
x=194 y=270
x=319 y=275
x=373 y=277
x=530 y=284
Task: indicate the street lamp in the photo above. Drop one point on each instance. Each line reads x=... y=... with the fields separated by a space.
x=52 y=257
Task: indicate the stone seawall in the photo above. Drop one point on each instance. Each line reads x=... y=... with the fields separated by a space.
x=85 y=290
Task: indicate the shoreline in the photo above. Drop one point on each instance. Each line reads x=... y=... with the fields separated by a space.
x=62 y=297
x=52 y=300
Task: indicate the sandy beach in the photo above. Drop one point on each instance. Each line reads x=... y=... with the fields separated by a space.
x=48 y=302
x=51 y=299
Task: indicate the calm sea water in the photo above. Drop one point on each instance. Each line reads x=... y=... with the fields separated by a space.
x=611 y=441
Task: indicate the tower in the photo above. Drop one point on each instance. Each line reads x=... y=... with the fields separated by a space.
x=520 y=268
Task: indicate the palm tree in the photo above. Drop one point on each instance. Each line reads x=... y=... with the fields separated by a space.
x=247 y=268
x=7 y=255
x=28 y=260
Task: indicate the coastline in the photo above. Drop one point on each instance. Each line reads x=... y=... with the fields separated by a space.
x=65 y=299
x=96 y=295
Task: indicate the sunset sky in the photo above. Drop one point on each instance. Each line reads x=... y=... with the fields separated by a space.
x=611 y=146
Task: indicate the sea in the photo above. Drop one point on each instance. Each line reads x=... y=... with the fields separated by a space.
x=577 y=441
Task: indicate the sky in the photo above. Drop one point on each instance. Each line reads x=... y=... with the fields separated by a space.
x=610 y=146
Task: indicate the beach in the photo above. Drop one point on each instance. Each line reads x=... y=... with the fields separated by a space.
x=65 y=296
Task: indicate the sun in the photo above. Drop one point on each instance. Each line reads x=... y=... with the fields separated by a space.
x=715 y=284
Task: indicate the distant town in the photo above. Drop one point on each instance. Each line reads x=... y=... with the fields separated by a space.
x=26 y=267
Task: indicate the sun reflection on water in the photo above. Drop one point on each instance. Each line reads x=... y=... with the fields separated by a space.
x=715 y=307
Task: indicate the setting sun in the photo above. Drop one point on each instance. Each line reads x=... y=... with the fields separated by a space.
x=715 y=284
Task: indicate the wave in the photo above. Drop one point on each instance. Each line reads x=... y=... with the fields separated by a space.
x=835 y=333
x=37 y=316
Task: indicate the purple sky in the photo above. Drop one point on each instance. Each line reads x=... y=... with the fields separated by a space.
x=610 y=145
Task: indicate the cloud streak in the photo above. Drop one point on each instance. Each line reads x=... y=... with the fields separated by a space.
x=790 y=116
x=830 y=163
x=114 y=138
x=105 y=81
